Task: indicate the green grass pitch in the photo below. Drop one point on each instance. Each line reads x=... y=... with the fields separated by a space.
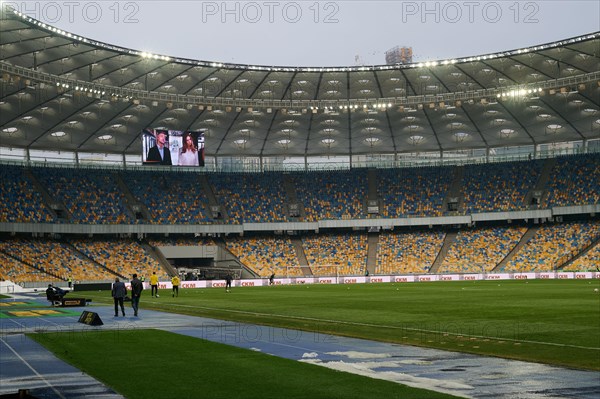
x=547 y=321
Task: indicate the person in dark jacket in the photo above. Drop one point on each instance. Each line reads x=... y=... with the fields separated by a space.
x=136 y=291
x=119 y=292
x=160 y=153
x=228 y=279
x=55 y=294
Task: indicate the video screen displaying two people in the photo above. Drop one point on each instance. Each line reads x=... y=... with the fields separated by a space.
x=172 y=147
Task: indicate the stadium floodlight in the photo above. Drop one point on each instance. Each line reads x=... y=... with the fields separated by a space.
x=105 y=137
x=10 y=130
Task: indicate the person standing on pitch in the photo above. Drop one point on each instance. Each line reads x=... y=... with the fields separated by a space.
x=119 y=292
x=136 y=292
x=154 y=284
x=175 y=281
x=228 y=279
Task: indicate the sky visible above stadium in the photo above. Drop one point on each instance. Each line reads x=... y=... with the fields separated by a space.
x=318 y=33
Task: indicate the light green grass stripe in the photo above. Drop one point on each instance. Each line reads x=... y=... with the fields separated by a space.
x=353 y=323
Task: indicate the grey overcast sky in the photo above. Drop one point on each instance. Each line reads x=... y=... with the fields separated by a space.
x=318 y=33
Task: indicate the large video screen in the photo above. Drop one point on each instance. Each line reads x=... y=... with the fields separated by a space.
x=172 y=147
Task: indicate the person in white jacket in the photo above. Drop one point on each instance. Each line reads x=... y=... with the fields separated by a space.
x=189 y=151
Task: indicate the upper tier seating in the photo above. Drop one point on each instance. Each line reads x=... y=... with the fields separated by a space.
x=499 y=187
x=251 y=198
x=332 y=195
x=413 y=191
x=170 y=197
x=93 y=196
x=576 y=181
x=89 y=197
x=20 y=202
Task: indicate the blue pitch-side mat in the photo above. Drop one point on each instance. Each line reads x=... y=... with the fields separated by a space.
x=24 y=364
x=450 y=372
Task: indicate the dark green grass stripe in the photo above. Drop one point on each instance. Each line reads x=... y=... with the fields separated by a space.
x=158 y=364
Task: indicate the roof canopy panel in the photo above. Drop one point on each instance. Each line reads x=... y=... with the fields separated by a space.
x=63 y=92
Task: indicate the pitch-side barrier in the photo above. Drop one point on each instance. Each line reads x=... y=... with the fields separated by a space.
x=412 y=278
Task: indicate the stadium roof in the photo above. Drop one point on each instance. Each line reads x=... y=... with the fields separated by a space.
x=62 y=92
